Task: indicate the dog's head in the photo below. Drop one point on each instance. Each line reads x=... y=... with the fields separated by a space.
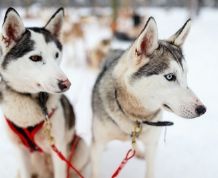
x=31 y=56
x=155 y=72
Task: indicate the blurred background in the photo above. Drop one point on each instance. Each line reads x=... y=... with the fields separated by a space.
x=91 y=28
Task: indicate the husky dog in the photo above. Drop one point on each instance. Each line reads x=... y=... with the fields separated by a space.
x=98 y=54
x=134 y=88
x=30 y=65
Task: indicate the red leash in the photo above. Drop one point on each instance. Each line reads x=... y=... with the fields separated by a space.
x=68 y=163
x=130 y=154
x=75 y=143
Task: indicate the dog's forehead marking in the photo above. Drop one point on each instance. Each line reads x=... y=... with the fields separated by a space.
x=24 y=45
x=160 y=60
x=47 y=36
x=181 y=73
x=175 y=51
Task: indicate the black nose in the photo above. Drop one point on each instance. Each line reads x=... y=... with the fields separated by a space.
x=200 y=110
x=64 y=85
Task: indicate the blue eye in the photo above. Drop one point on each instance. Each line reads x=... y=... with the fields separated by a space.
x=170 y=77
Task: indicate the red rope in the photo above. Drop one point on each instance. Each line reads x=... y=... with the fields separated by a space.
x=62 y=157
x=73 y=149
x=130 y=154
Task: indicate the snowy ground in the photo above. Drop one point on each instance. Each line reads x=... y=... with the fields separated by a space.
x=191 y=147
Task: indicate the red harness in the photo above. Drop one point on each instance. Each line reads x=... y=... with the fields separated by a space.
x=27 y=136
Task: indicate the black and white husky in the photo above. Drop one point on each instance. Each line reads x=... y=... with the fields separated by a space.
x=30 y=60
x=135 y=86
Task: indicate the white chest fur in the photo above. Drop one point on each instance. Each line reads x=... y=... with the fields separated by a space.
x=23 y=110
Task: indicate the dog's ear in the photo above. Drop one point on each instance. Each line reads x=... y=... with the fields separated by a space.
x=180 y=36
x=147 y=41
x=55 y=23
x=12 y=28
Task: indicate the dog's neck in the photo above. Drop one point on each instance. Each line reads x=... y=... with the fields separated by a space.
x=33 y=96
x=23 y=109
x=131 y=107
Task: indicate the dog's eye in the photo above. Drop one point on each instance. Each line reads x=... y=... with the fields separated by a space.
x=36 y=58
x=170 y=77
x=56 y=55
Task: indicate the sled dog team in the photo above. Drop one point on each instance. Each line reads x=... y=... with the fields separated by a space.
x=134 y=87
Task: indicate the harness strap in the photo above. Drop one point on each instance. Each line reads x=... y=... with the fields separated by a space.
x=27 y=135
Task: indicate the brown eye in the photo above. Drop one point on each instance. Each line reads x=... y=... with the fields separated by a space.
x=56 y=55
x=36 y=58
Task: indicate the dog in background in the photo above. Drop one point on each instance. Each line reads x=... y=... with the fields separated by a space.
x=98 y=54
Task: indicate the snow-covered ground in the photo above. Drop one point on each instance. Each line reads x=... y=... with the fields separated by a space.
x=191 y=147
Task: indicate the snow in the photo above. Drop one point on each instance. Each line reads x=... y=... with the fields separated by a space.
x=191 y=147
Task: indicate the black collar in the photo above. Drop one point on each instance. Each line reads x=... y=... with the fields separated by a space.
x=159 y=123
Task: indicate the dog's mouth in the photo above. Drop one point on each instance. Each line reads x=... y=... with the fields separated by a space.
x=52 y=88
x=167 y=107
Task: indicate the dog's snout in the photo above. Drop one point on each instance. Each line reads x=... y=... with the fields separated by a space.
x=200 y=110
x=64 y=84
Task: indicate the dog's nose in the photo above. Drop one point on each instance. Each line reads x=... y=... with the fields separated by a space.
x=200 y=110
x=64 y=85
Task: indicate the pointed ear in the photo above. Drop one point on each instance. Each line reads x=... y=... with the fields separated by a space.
x=147 y=41
x=12 y=28
x=180 y=36
x=55 y=23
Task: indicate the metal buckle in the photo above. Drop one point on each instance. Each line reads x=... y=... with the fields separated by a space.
x=136 y=133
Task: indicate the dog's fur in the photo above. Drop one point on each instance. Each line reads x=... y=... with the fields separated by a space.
x=30 y=65
x=133 y=87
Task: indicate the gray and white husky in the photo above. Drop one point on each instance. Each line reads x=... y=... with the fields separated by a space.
x=135 y=86
x=29 y=65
